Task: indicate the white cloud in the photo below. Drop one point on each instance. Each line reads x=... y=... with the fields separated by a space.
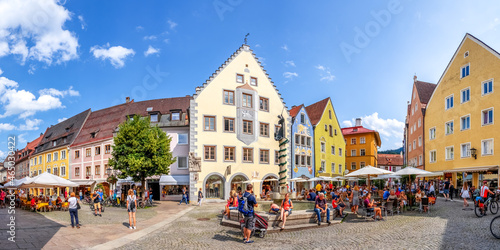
x=151 y=37
x=257 y=45
x=290 y=63
x=166 y=40
x=290 y=75
x=347 y=124
x=61 y=93
x=387 y=128
x=151 y=51
x=21 y=141
x=171 y=24
x=6 y=127
x=139 y=28
x=2 y=155
x=326 y=74
x=116 y=54
x=82 y=22
x=30 y=124
x=38 y=24
x=62 y=119
x=284 y=47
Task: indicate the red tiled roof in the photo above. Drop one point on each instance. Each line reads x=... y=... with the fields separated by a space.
x=295 y=110
x=424 y=90
x=315 y=110
x=30 y=148
x=361 y=130
x=390 y=160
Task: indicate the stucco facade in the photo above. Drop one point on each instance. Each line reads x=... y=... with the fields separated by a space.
x=302 y=141
x=362 y=146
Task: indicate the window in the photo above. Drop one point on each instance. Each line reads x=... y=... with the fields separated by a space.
x=297 y=140
x=176 y=116
x=253 y=81
x=487 y=117
x=353 y=141
x=303 y=160
x=353 y=165
x=239 y=78
x=209 y=153
x=362 y=164
x=264 y=156
x=229 y=153
x=333 y=167
x=97 y=150
x=209 y=123
x=55 y=171
x=420 y=141
x=264 y=129
x=362 y=140
x=465 y=95
x=432 y=156
x=229 y=125
x=63 y=155
x=449 y=153
x=297 y=160
x=323 y=145
x=276 y=157
x=264 y=104
x=464 y=71
x=247 y=154
x=308 y=160
x=35 y=163
x=229 y=97
x=48 y=170
x=362 y=152
x=39 y=171
x=449 y=128
x=107 y=148
x=409 y=148
x=63 y=171
x=331 y=130
x=487 y=147
x=302 y=118
x=49 y=157
x=419 y=122
x=487 y=87
x=416 y=107
x=449 y=102
x=40 y=159
x=323 y=166
x=333 y=150
x=88 y=152
x=77 y=171
x=340 y=152
x=97 y=169
x=182 y=162
x=54 y=143
x=247 y=127
x=154 y=117
x=340 y=168
x=432 y=133
x=77 y=155
x=88 y=171
x=277 y=129
x=303 y=140
x=56 y=156
x=330 y=114
x=465 y=122
x=420 y=158
x=465 y=150
x=353 y=152
x=65 y=139
x=414 y=144
x=309 y=141
x=335 y=131
x=247 y=100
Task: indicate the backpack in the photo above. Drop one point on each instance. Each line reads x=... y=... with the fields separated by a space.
x=243 y=206
x=132 y=204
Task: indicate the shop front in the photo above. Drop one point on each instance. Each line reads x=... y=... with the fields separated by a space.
x=171 y=187
x=474 y=176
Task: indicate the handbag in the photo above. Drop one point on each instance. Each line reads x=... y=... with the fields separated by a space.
x=78 y=205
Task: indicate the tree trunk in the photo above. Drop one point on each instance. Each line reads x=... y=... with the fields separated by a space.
x=143 y=183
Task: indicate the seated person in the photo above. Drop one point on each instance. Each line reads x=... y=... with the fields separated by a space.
x=311 y=196
x=338 y=205
x=403 y=199
x=33 y=203
x=386 y=194
x=58 y=202
x=274 y=208
x=286 y=209
x=263 y=194
x=392 y=196
x=321 y=207
x=232 y=204
x=370 y=206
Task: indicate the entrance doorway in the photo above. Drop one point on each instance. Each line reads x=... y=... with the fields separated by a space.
x=155 y=186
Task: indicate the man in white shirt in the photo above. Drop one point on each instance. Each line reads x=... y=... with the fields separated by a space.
x=431 y=189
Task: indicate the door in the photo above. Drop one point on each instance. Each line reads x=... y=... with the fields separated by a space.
x=156 y=190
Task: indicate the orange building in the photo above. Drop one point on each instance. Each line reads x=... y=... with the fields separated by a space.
x=361 y=146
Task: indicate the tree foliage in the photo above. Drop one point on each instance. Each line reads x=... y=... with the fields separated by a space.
x=141 y=151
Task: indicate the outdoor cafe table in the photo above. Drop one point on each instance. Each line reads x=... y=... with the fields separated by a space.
x=42 y=205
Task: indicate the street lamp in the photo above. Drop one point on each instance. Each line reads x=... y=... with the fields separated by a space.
x=473 y=152
x=109 y=171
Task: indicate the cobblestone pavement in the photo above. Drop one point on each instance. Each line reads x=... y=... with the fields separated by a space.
x=446 y=227
x=52 y=230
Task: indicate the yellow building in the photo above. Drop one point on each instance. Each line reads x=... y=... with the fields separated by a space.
x=52 y=153
x=329 y=144
x=361 y=146
x=460 y=116
x=233 y=119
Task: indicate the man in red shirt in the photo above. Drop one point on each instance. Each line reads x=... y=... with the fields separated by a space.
x=483 y=195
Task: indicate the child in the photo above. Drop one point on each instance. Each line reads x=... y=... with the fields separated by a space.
x=274 y=209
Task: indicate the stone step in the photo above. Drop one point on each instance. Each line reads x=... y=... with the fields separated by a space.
x=270 y=229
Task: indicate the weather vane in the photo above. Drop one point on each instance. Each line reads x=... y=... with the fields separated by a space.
x=246 y=37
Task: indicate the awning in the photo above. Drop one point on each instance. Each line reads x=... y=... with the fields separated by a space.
x=84 y=182
x=174 y=180
x=432 y=174
x=472 y=169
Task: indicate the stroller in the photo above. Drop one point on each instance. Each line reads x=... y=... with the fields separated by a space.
x=260 y=226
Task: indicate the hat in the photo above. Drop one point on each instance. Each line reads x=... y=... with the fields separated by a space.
x=485 y=181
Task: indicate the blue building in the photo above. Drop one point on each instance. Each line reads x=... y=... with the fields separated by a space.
x=302 y=146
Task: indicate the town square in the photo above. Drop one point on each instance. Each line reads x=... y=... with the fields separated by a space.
x=249 y=124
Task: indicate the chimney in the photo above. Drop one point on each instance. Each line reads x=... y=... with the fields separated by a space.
x=294 y=106
x=415 y=78
x=358 y=122
x=127 y=99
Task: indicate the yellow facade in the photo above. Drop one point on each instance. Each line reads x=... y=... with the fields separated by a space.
x=449 y=151
x=363 y=142
x=57 y=163
x=329 y=146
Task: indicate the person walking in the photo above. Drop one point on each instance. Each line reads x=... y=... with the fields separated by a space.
x=200 y=197
x=465 y=194
x=184 y=196
x=81 y=194
x=97 y=203
x=249 y=219
x=2 y=199
x=131 y=208
x=446 y=191
x=355 y=199
x=73 y=210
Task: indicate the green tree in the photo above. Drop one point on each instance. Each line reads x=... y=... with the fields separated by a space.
x=141 y=151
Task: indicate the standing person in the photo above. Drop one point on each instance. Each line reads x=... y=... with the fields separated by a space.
x=200 y=197
x=465 y=194
x=81 y=194
x=355 y=199
x=249 y=219
x=321 y=208
x=286 y=209
x=432 y=189
x=97 y=203
x=131 y=208
x=446 y=190
x=73 y=210
x=452 y=191
x=151 y=195
x=184 y=196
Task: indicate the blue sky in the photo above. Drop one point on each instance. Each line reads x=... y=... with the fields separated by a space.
x=58 y=58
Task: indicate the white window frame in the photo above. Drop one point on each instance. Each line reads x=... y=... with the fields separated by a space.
x=333 y=150
x=420 y=160
x=431 y=137
x=482 y=117
x=178 y=139
x=492 y=86
x=419 y=122
x=461 y=124
x=355 y=165
x=467 y=154
x=333 y=167
x=414 y=144
x=353 y=152
x=446 y=130
x=492 y=147
x=466 y=65
x=323 y=147
x=446 y=102
x=322 y=167
x=446 y=153
x=432 y=159
x=461 y=95
x=362 y=140
x=420 y=141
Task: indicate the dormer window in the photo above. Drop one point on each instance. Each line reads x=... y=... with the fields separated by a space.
x=153 y=117
x=94 y=134
x=54 y=143
x=355 y=130
x=65 y=139
x=176 y=116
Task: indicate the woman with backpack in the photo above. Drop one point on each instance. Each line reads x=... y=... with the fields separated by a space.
x=286 y=209
x=131 y=208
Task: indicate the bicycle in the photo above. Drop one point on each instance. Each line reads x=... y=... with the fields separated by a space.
x=480 y=206
x=145 y=203
x=86 y=200
x=495 y=227
x=109 y=202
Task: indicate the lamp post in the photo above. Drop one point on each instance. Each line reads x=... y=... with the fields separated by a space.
x=473 y=152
